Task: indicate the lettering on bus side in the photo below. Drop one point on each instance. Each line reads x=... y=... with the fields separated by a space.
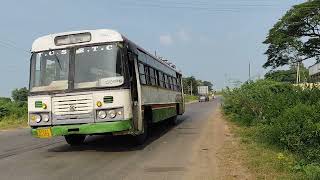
x=78 y=51
x=95 y=49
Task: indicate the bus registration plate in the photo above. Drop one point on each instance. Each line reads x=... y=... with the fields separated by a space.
x=44 y=133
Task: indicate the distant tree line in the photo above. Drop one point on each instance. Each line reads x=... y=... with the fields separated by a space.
x=290 y=75
x=15 y=107
x=191 y=83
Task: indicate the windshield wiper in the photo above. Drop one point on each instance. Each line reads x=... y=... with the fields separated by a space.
x=58 y=60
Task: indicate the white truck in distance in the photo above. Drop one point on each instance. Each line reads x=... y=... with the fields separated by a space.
x=203 y=92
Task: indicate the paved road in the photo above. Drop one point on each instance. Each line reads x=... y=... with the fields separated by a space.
x=166 y=155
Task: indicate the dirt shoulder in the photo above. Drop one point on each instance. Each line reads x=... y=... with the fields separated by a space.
x=216 y=156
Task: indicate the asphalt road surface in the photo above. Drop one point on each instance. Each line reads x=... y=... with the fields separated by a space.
x=167 y=154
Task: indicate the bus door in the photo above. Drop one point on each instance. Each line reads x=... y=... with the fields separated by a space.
x=135 y=93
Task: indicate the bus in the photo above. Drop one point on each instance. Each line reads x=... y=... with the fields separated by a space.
x=95 y=82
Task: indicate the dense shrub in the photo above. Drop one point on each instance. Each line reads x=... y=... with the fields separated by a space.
x=298 y=130
x=287 y=116
x=261 y=101
x=13 y=109
x=3 y=112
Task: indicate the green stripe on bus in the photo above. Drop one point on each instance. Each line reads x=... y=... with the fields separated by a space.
x=163 y=113
x=94 y=128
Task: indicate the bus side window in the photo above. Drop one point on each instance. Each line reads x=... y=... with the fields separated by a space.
x=167 y=81
x=156 y=72
x=171 y=83
x=175 y=84
x=142 y=74
x=147 y=74
x=161 y=80
x=152 y=76
x=178 y=82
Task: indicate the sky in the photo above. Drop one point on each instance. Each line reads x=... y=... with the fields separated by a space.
x=213 y=40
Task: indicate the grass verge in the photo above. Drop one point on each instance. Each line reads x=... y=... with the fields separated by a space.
x=263 y=160
x=12 y=122
x=189 y=98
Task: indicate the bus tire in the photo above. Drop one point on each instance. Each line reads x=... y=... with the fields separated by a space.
x=141 y=138
x=75 y=139
x=174 y=120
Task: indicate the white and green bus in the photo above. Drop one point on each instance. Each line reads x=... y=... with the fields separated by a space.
x=98 y=82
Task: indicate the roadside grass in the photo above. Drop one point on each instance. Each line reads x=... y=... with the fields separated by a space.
x=264 y=160
x=218 y=93
x=188 y=98
x=12 y=122
x=280 y=122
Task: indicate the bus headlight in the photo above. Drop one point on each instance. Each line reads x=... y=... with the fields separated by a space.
x=35 y=118
x=109 y=114
x=45 y=117
x=112 y=114
x=102 y=114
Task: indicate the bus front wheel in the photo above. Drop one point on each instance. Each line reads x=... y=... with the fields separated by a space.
x=75 y=140
x=141 y=138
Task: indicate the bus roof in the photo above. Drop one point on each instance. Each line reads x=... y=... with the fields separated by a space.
x=47 y=42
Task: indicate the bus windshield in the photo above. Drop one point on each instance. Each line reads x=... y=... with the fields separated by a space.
x=98 y=66
x=49 y=70
x=94 y=66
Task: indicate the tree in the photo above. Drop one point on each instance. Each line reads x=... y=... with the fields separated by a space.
x=289 y=75
x=20 y=95
x=207 y=83
x=188 y=82
x=296 y=36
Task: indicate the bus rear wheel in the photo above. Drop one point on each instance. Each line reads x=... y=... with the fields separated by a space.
x=75 y=140
x=174 y=120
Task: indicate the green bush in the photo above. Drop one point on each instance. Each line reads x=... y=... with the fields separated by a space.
x=259 y=102
x=3 y=111
x=12 y=110
x=312 y=171
x=286 y=116
x=298 y=130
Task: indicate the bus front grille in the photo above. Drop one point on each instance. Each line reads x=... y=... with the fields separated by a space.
x=73 y=107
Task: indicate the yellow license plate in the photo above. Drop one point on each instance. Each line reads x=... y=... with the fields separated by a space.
x=44 y=133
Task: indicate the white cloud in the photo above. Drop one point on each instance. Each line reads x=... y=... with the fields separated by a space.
x=184 y=35
x=166 y=39
x=178 y=36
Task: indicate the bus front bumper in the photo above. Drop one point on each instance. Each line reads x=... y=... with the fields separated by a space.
x=86 y=129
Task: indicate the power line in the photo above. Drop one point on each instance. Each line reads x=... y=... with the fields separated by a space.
x=200 y=7
x=12 y=45
x=196 y=6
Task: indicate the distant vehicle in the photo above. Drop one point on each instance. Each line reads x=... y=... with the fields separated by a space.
x=203 y=92
x=99 y=82
x=202 y=98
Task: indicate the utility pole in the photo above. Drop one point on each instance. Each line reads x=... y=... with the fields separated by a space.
x=298 y=72
x=191 y=88
x=249 y=71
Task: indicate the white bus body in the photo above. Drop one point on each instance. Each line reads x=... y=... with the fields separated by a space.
x=97 y=82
